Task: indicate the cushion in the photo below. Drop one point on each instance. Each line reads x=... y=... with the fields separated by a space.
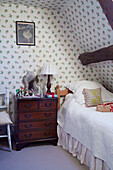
x=5 y=118
x=92 y=97
x=108 y=107
x=77 y=88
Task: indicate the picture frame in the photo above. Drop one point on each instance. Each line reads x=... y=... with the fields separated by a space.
x=25 y=33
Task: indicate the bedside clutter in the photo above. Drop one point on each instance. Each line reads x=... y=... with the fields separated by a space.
x=51 y=95
x=21 y=93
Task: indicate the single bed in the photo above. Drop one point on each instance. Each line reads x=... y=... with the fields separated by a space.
x=84 y=132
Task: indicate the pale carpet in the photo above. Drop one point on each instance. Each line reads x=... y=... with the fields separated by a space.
x=39 y=157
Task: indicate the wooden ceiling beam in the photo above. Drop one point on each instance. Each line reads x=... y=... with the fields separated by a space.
x=107 y=6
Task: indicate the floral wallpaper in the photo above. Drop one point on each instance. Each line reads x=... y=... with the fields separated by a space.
x=60 y=37
x=92 y=31
x=54 y=43
x=57 y=5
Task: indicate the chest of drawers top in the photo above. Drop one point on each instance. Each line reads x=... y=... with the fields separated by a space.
x=36 y=104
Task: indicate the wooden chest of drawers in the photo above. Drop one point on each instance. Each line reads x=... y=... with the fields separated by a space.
x=35 y=120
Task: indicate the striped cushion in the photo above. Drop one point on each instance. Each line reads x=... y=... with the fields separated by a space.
x=92 y=97
x=4 y=118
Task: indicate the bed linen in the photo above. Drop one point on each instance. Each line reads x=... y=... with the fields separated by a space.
x=80 y=151
x=92 y=129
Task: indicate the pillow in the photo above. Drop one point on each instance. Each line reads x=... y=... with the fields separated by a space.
x=82 y=84
x=92 y=97
x=68 y=96
x=77 y=88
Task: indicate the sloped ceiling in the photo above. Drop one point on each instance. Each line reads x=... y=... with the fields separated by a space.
x=57 y=5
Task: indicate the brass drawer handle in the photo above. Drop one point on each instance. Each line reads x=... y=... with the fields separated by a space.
x=28 y=126
x=28 y=136
x=47 y=124
x=27 y=116
x=48 y=105
x=47 y=134
x=47 y=114
x=28 y=106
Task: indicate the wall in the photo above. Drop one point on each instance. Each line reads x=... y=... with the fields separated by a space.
x=53 y=44
x=92 y=32
x=60 y=38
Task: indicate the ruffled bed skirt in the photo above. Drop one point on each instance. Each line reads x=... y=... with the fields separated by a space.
x=80 y=151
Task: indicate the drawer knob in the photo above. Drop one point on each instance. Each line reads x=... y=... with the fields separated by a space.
x=47 y=124
x=28 y=136
x=47 y=114
x=27 y=116
x=28 y=106
x=47 y=134
x=48 y=105
x=28 y=126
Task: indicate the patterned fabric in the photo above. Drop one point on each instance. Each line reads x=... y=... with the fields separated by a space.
x=80 y=151
x=107 y=107
x=4 y=118
x=92 y=97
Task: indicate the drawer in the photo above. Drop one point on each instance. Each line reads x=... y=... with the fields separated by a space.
x=37 y=135
x=47 y=104
x=29 y=116
x=37 y=125
x=26 y=106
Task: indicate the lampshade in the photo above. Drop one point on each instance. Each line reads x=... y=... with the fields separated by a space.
x=48 y=69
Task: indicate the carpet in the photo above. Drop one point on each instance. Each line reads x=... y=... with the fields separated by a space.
x=39 y=157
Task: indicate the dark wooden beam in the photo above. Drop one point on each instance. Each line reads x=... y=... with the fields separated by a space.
x=107 y=6
x=100 y=55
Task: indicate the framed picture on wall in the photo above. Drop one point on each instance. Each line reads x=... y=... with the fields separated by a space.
x=25 y=33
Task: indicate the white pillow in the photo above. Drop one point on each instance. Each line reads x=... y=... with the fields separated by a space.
x=77 y=88
x=82 y=83
x=68 y=96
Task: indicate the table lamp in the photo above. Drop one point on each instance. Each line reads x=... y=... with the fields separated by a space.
x=50 y=70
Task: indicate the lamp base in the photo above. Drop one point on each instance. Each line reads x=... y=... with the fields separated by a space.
x=48 y=84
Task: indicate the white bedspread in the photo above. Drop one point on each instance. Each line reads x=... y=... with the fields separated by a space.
x=93 y=129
